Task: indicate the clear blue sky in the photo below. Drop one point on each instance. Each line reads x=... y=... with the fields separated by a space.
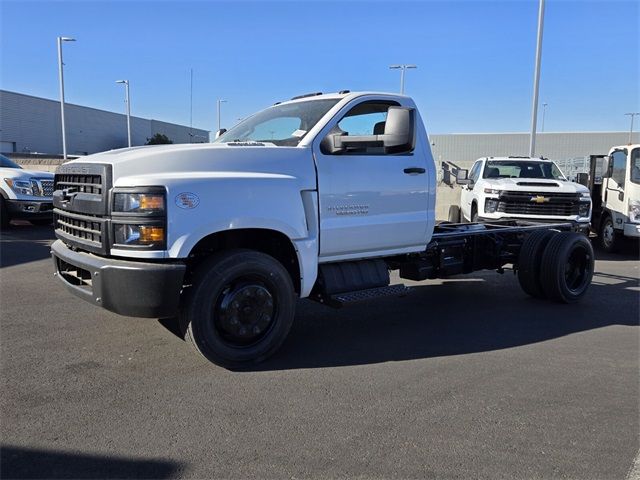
x=475 y=58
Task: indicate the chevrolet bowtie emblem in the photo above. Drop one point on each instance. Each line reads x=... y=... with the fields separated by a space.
x=540 y=199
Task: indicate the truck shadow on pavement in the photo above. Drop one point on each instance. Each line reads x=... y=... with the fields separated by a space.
x=25 y=243
x=454 y=318
x=22 y=463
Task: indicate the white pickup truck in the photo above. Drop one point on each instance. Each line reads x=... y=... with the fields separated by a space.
x=316 y=197
x=523 y=188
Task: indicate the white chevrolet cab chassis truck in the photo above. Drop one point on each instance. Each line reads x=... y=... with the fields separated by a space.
x=318 y=197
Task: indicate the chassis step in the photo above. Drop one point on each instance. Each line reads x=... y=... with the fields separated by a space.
x=341 y=299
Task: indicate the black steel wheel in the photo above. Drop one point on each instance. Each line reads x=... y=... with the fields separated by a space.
x=609 y=239
x=530 y=260
x=240 y=308
x=567 y=267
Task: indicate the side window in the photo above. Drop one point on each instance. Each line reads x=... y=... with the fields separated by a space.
x=367 y=118
x=475 y=172
x=618 y=167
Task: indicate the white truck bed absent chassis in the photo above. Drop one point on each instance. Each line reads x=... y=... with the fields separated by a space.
x=318 y=197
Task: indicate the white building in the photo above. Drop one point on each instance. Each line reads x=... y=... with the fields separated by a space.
x=32 y=125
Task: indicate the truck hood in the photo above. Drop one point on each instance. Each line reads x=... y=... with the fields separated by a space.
x=149 y=164
x=535 y=185
x=23 y=173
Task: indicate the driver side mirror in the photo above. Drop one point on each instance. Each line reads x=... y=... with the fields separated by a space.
x=462 y=177
x=220 y=132
x=607 y=167
x=398 y=135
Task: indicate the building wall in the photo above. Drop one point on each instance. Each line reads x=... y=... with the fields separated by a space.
x=32 y=124
x=463 y=149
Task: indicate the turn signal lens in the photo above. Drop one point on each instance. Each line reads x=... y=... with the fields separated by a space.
x=139 y=203
x=150 y=235
x=151 y=202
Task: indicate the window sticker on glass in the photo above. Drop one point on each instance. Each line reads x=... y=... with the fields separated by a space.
x=299 y=133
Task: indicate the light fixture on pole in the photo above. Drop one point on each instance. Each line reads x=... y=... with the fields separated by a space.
x=544 y=111
x=402 y=69
x=61 y=78
x=632 y=115
x=536 y=81
x=127 y=100
x=219 y=102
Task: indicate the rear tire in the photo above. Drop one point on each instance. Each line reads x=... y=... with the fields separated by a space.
x=454 y=214
x=240 y=308
x=530 y=260
x=567 y=267
x=609 y=238
x=474 y=213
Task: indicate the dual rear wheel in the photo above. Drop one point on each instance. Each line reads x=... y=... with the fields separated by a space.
x=556 y=265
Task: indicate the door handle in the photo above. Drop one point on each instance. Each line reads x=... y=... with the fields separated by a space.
x=412 y=170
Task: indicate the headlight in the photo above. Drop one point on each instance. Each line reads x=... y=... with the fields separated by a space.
x=490 y=205
x=634 y=211
x=21 y=187
x=151 y=203
x=142 y=235
x=583 y=209
x=586 y=195
x=492 y=191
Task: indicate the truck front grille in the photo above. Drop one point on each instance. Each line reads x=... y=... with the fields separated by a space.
x=539 y=203
x=42 y=187
x=84 y=231
x=83 y=183
x=80 y=200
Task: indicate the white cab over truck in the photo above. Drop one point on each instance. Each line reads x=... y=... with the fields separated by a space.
x=318 y=197
x=523 y=188
x=614 y=182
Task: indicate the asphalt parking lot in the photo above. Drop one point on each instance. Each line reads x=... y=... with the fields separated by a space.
x=466 y=378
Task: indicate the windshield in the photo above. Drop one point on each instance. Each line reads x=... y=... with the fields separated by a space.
x=283 y=125
x=635 y=165
x=522 y=169
x=8 y=163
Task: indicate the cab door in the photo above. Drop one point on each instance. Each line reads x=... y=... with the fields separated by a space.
x=466 y=195
x=614 y=195
x=371 y=202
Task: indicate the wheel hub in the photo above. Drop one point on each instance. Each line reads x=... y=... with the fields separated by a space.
x=607 y=233
x=245 y=312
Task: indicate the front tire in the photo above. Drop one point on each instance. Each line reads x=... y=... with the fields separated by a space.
x=240 y=309
x=567 y=267
x=609 y=239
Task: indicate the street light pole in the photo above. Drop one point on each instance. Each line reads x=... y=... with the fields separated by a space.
x=61 y=79
x=127 y=100
x=536 y=81
x=544 y=111
x=402 y=69
x=632 y=115
x=220 y=101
